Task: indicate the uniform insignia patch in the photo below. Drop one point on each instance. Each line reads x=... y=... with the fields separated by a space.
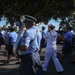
x=25 y=35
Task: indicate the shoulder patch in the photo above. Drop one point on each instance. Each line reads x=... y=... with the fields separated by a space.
x=25 y=35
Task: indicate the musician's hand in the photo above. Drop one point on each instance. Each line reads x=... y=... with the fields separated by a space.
x=61 y=37
x=7 y=42
x=23 y=48
x=20 y=47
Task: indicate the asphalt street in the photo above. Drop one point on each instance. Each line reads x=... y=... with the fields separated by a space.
x=13 y=69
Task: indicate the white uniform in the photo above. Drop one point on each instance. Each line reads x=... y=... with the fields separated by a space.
x=51 y=51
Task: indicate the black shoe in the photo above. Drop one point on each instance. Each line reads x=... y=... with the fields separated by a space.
x=7 y=62
x=40 y=72
x=17 y=63
x=60 y=72
x=73 y=62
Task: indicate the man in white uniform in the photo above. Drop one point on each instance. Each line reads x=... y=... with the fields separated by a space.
x=51 y=47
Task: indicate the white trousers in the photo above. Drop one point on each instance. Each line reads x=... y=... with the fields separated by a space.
x=51 y=53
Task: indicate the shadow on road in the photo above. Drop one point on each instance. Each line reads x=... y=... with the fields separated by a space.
x=13 y=69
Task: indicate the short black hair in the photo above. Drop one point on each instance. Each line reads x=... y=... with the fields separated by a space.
x=11 y=28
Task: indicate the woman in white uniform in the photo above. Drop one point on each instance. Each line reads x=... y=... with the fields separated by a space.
x=51 y=47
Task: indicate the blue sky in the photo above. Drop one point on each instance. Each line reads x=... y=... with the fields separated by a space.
x=39 y=27
x=56 y=23
x=3 y=22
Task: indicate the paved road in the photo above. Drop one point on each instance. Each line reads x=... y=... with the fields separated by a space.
x=13 y=69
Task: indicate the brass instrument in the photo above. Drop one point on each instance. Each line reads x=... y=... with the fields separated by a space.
x=18 y=41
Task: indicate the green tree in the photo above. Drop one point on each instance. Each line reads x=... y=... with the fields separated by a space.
x=43 y=10
x=67 y=21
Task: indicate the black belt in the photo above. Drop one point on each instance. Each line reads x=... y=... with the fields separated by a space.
x=11 y=42
x=25 y=54
x=35 y=51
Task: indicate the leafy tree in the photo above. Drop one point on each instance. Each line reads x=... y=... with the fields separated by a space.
x=43 y=10
x=68 y=21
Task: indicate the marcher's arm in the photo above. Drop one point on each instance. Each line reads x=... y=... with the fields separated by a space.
x=25 y=41
x=45 y=36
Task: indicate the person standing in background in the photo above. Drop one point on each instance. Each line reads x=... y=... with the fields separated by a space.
x=43 y=41
x=6 y=40
x=73 y=45
x=39 y=37
x=1 y=39
x=3 y=31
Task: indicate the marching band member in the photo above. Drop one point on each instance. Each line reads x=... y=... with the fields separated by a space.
x=67 y=46
x=11 y=40
x=29 y=47
x=51 y=47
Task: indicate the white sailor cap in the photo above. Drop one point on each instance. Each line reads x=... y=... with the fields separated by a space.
x=51 y=25
x=25 y=18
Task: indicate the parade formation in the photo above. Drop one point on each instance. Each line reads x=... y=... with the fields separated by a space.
x=37 y=37
x=26 y=45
